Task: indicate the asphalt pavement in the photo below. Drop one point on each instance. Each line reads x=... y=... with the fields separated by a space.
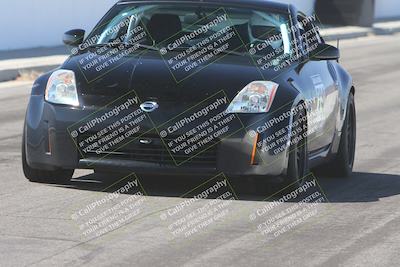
x=357 y=225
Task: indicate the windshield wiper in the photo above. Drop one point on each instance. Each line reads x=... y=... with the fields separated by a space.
x=148 y=47
x=151 y=47
x=103 y=44
x=232 y=52
x=126 y=45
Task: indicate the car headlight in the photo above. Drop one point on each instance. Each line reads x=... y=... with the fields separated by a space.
x=256 y=97
x=61 y=88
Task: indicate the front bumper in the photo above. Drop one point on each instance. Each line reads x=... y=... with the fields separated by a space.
x=49 y=145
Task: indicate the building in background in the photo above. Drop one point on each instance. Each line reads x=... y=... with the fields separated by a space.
x=28 y=23
x=350 y=12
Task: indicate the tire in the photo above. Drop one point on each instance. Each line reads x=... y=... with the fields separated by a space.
x=297 y=168
x=343 y=163
x=61 y=176
x=298 y=152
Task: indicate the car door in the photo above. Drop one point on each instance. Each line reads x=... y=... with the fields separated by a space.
x=317 y=81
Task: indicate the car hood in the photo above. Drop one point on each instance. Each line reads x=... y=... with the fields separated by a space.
x=151 y=78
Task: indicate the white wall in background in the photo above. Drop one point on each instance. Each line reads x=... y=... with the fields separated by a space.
x=387 y=9
x=36 y=23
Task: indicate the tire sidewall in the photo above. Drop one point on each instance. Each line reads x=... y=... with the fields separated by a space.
x=293 y=176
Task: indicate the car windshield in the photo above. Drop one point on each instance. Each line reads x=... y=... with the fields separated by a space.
x=195 y=27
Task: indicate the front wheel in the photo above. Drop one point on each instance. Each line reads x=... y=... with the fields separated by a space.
x=60 y=176
x=297 y=168
x=298 y=152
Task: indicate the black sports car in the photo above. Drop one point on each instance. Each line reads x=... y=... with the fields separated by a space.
x=244 y=88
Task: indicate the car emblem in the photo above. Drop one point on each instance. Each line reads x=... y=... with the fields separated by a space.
x=149 y=106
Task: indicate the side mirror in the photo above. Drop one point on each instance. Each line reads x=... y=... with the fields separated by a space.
x=74 y=37
x=325 y=52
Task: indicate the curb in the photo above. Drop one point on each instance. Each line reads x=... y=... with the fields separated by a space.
x=386 y=28
x=10 y=69
x=345 y=33
x=352 y=32
x=12 y=74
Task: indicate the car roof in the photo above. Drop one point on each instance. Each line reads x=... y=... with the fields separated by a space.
x=253 y=3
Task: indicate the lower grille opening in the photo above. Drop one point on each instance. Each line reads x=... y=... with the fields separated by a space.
x=156 y=152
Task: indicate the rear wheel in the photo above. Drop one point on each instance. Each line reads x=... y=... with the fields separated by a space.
x=342 y=165
x=60 y=176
